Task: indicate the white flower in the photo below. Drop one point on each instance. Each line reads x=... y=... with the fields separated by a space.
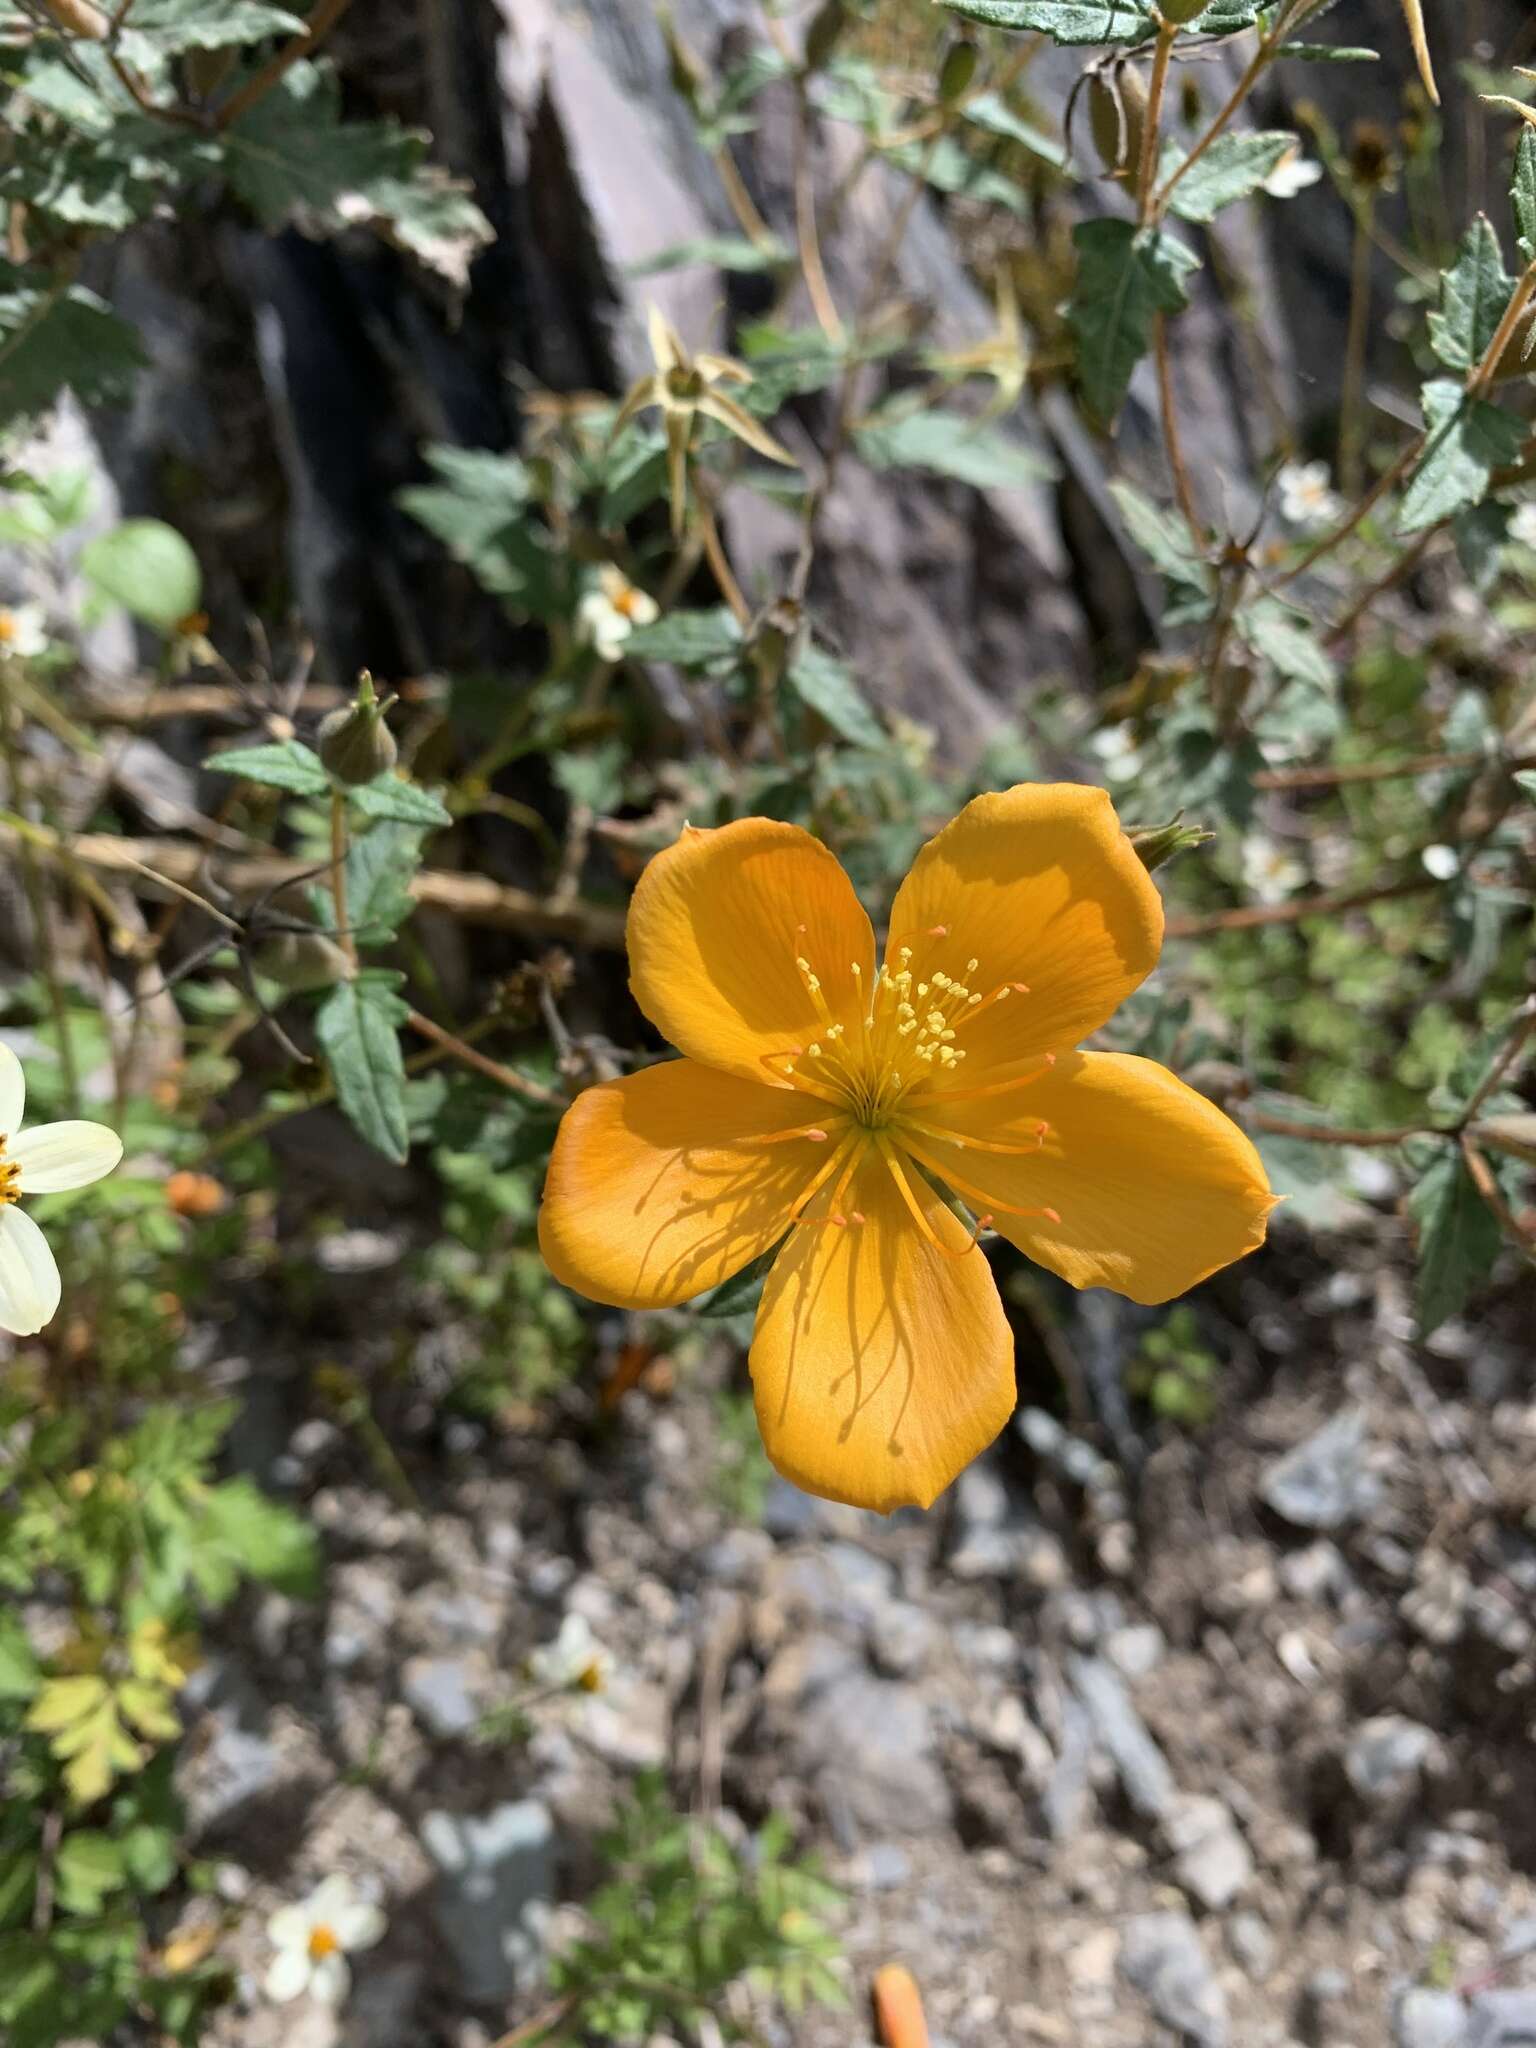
x=1293 y=174
x=607 y=616
x=44 y=1161
x=22 y=631
x=1306 y=499
x=314 y=1939
x=574 y=1659
x=1269 y=873
x=1443 y=862
x=1522 y=528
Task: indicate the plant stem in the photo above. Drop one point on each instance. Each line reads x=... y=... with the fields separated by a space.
x=1327 y=1134
x=1252 y=916
x=1357 y=341
x=1486 y=1182
x=1525 y=1024
x=1146 y=170
x=714 y=552
x=325 y=17
x=1377 y=771
x=1183 y=486
x=339 y=875
x=505 y=1077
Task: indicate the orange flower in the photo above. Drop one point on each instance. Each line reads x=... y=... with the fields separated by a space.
x=819 y=1099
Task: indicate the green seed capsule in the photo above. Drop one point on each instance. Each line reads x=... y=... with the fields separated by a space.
x=1181 y=11
x=960 y=61
x=301 y=962
x=355 y=745
x=1117 y=114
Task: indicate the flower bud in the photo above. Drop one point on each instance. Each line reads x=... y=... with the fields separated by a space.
x=1117 y=114
x=1181 y=11
x=301 y=962
x=355 y=745
x=1154 y=844
x=959 y=68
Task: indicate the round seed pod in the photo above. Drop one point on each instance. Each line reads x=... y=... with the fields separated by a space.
x=958 y=69
x=1181 y=11
x=1117 y=114
x=354 y=744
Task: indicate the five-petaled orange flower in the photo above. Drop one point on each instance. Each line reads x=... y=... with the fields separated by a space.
x=821 y=1098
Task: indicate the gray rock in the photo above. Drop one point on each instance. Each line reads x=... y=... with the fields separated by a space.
x=1316 y=1573
x=1136 y=1651
x=881 y=1867
x=1429 y=2019
x=383 y=2010
x=495 y=1883
x=738 y=1557
x=1161 y=1955
x=1387 y=1756
x=868 y=1745
x=1323 y=1482
x=235 y=1766
x=439 y=1693
x=1503 y=2019
x=1211 y=1860
x=1252 y=1944
x=1120 y=1730
x=1064 y=1802
x=901 y=1638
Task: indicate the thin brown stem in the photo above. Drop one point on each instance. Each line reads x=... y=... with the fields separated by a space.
x=1172 y=440
x=1146 y=169
x=1486 y=1182
x=1399 y=572
x=814 y=271
x=1377 y=771
x=1253 y=916
x=714 y=554
x=1330 y=1134
x=1504 y=333
x=1361 y=513
x=504 y=1077
x=1515 y=1046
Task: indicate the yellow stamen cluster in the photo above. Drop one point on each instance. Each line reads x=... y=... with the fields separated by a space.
x=10 y=1177
x=322 y=1943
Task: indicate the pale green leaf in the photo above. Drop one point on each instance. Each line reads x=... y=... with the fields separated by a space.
x=279 y=764
x=1468 y=439
x=1459 y=1239
x=947 y=444
x=1126 y=276
x=1474 y=293
x=358 y=1026
x=148 y=568
x=1234 y=167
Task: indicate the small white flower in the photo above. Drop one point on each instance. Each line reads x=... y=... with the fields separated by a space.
x=1443 y=862
x=1307 y=500
x=44 y=1161
x=1269 y=873
x=607 y=616
x=1293 y=174
x=575 y=1659
x=1522 y=528
x=22 y=630
x=314 y=1938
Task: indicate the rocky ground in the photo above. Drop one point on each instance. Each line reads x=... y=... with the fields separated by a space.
x=1231 y=1748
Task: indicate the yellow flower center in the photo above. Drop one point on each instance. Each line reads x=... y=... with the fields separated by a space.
x=10 y=1176
x=885 y=1071
x=322 y=1943
x=590 y=1678
x=7 y=627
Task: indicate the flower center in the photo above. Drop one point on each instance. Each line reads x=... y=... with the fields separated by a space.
x=10 y=1176
x=879 y=1071
x=322 y=1943
x=7 y=627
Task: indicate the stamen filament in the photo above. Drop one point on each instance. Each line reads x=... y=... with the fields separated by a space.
x=974 y=1144
x=888 y=1154
x=991 y=1087
x=820 y=1178
x=981 y=1194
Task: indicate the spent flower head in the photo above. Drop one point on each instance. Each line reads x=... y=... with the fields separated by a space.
x=47 y=1160
x=686 y=388
x=313 y=1938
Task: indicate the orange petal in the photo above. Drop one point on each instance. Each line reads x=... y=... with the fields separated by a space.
x=656 y=1189
x=1156 y=1189
x=881 y=1365
x=716 y=925
x=1038 y=885
x=899 y=2020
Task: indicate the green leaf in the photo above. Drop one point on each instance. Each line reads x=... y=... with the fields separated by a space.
x=739 y=1295
x=990 y=111
x=111 y=180
x=19 y=1673
x=1234 y=167
x=1523 y=193
x=292 y=158
x=266 y=1540
x=594 y=777
x=1065 y=21
x=1474 y=293
x=55 y=336
x=379 y=866
x=1125 y=276
x=1468 y=439
x=149 y=1856
x=172 y=26
x=947 y=444
x=148 y=568
x=715 y=252
x=691 y=639
x=1526 y=780
x=1163 y=538
x=634 y=475
x=1459 y=1239
x=1328 y=53
x=948 y=167
x=1289 y=643
x=89 y=1868
x=281 y=764
x=479 y=496
x=826 y=686
x=401 y=802
x=358 y=1028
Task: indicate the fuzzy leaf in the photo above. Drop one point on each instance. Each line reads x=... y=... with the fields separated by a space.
x=1065 y=21
x=402 y=803
x=148 y=568
x=691 y=639
x=1523 y=193
x=280 y=764
x=1234 y=167
x=1126 y=275
x=54 y=337
x=1474 y=293
x=948 y=445
x=358 y=1027
x=825 y=685
x=1163 y=538
x=380 y=864
x=1468 y=440
x=1459 y=1239
x=1288 y=643
x=172 y=26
